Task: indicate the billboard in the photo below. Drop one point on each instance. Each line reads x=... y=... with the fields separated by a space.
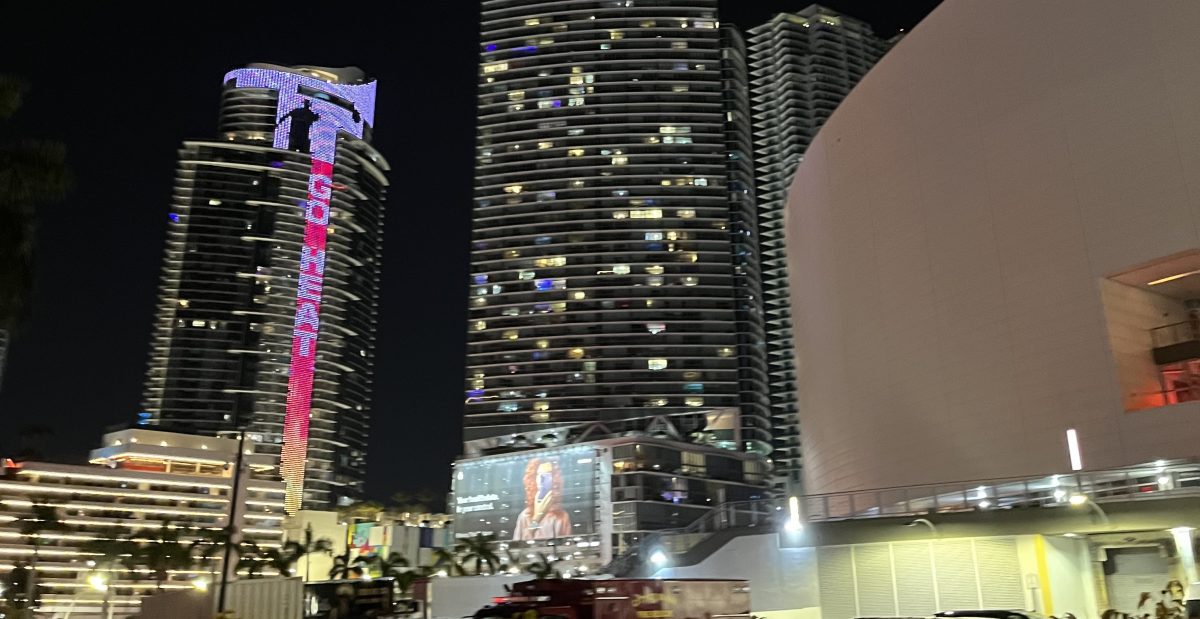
x=535 y=495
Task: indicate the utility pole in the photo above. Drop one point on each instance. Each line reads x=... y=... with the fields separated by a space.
x=235 y=519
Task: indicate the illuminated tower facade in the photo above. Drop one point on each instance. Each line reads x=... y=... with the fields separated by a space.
x=268 y=299
x=614 y=278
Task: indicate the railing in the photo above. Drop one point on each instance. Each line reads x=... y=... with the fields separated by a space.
x=1160 y=480
x=1175 y=333
x=1133 y=483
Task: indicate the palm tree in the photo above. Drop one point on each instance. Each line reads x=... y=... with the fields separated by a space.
x=478 y=550
x=41 y=519
x=362 y=510
x=445 y=559
x=391 y=566
x=211 y=543
x=284 y=558
x=311 y=546
x=413 y=502
x=32 y=172
x=543 y=568
x=162 y=553
x=343 y=566
x=406 y=579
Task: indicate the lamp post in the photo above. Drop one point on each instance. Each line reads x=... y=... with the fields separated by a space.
x=1078 y=500
x=100 y=583
x=924 y=521
x=234 y=521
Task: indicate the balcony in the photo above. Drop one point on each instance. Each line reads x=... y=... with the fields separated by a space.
x=1176 y=342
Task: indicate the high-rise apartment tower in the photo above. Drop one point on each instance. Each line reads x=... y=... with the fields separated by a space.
x=802 y=65
x=267 y=305
x=614 y=279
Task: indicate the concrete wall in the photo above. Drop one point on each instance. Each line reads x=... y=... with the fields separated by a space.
x=949 y=227
x=782 y=580
x=907 y=578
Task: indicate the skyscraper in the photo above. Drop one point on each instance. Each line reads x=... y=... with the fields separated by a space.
x=614 y=275
x=802 y=65
x=267 y=305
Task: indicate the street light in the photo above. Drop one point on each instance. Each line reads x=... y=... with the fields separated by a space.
x=1077 y=500
x=99 y=582
x=658 y=558
x=793 y=524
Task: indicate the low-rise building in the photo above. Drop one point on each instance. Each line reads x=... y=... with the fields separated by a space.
x=137 y=482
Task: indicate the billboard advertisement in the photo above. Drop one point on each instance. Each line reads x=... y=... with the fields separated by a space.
x=536 y=495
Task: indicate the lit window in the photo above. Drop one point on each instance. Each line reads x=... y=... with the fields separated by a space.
x=549 y=103
x=575 y=152
x=533 y=21
x=654 y=269
x=620 y=193
x=724 y=352
x=690 y=280
x=550 y=284
x=656 y=327
x=526 y=275
x=681 y=66
x=511 y=311
x=512 y=189
x=545 y=145
x=558 y=306
x=606 y=46
x=512 y=253
x=621 y=269
x=511 y=334
x=620 y=160
x=540 y=417
x=575 y=101
x=576 y=79
x=543 y=343
x=679 y=45
x=575 y=353
x=184 y=303
x=479 y=325
x=541 y=405
x=657 y=402
x=543 y=196
x=616 y=35
x=646 y=213
x=550 y=261
x=574 y=131
x=477 y=383
x=509 y=407
x=656 y=364
x=214 y=202
x=198 y=323
x=617 y=215
x=694 y=401
x=654 y=236
x=495 y=68
x=579 y=295
x=651 y=140
x=479 y=301
x=654 y=280
x=700 y=182
x=497 y=288
x=516 y=95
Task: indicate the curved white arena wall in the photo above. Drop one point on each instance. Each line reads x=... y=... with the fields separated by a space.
x=953 y=226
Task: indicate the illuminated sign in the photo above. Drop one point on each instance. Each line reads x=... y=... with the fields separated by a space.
x=336 y=107
x=541 y=494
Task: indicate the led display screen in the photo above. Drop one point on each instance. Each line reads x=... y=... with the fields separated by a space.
x=536 y=495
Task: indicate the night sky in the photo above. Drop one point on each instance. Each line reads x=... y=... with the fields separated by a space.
x=123 y=88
